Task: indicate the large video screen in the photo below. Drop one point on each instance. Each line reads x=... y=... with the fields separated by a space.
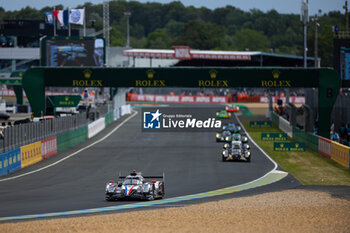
x=68 y=51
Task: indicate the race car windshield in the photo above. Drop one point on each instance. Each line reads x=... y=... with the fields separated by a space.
x=131 y=181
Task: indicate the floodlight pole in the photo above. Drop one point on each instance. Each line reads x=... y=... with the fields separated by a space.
x=304 y=17
x=345 y=7
x=127 y=14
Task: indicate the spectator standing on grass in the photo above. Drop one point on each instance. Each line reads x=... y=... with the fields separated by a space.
x=343 y=133
x=335 y=136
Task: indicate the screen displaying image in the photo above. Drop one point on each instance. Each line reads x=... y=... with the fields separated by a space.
x=75 y=52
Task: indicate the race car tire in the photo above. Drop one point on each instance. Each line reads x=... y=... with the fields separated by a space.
x=223 y=158
x=248 y=159
x=109 y=198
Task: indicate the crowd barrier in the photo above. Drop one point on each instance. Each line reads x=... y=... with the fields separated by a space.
x=323 y=146
x=292 y=99
x=178 y=99
x=340 y=154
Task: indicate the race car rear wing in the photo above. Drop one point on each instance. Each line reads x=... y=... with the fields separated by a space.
x=145 y=177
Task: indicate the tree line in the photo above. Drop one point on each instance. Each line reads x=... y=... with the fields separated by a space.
x=160 y=26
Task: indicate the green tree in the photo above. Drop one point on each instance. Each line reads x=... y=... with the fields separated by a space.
x=248 y=39
x=173 y=28
x=158 y=40
x=201 y=35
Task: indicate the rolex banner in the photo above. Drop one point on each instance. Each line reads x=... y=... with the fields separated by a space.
x=76 y=16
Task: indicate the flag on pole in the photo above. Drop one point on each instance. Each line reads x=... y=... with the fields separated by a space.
x=61 y=16
x=76 y=16
x=49 y=17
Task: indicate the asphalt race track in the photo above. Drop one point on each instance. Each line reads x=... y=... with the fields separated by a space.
x=191 y=162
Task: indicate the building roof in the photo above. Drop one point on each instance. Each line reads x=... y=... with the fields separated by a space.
x=202 y=54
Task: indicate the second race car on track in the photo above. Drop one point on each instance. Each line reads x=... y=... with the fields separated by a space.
x=135 y=186
x=235 y=151
x=232 y=127
x=232 y=108
x=223 y=114
x=224 y=136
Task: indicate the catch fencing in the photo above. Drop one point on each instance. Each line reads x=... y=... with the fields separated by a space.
x=24 y=134
x=27 y=144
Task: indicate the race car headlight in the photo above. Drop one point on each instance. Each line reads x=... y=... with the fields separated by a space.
x=226 y=108
x=217 y=135
x=226 y=145
x=225 y=153
x=227 y=139
x=224 y=128
x=237 y=108
x=239 y=127
x=248 y=153
x=247 y=146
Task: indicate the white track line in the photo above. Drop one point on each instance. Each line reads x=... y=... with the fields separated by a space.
x=75 y=153
x=251 y=139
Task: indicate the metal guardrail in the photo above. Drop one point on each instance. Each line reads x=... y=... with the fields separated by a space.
x=341 y=35
x=18 y=135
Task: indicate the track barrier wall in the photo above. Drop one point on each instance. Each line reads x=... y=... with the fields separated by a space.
x=209 y=99
x=311 y=140
x=285 y=127
x=40 y=141
x=323 y=146
x=30 y=154
x=109 y=118
x=71 y=138
x=275 y=119
x=96 y=127
x=10 y=161
x=48 y=147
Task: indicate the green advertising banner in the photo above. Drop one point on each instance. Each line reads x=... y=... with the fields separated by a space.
x=11 y=81
x=274 y=137
x=259 y=124
x=64 y=100
x=289 y=146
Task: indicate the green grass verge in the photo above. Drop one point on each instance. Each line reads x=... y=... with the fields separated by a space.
x=308 y=167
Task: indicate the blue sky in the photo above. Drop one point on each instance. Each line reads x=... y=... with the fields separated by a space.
x=282 y=6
